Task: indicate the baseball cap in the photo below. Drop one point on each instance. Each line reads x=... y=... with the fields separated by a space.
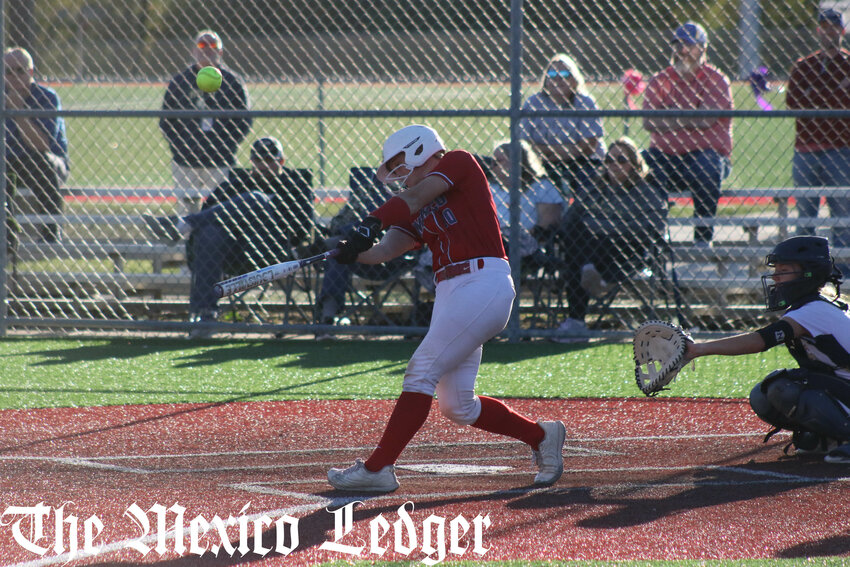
x=832 y=16
x=266 y=148
x=690 y=33
x=208 y=33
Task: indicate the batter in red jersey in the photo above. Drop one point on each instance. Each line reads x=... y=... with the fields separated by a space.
x=446 y=204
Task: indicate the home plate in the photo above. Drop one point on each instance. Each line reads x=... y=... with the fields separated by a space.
x=450 y=468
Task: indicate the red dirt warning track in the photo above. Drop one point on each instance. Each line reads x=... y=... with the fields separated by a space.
x=693 y=470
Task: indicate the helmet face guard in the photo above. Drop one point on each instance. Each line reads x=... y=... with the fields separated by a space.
x=780 y=296
x=417 y=143
x=391 y=177
x=817 y=267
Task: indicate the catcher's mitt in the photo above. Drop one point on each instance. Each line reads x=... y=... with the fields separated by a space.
x=659 y=349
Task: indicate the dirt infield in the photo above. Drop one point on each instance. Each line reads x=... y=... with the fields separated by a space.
x=695 y=470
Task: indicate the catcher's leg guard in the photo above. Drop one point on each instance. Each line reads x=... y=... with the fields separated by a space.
x=804 y=399
x=818 y=411
x=784 y=395
x=765 y=410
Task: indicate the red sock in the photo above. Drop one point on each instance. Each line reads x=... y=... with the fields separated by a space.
x=496 y=417
x=411 y=411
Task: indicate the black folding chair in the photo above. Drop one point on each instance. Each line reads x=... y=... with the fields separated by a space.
x=652 y=283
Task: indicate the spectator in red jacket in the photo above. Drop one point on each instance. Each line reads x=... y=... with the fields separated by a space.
x=690 y=153
x=822 y=145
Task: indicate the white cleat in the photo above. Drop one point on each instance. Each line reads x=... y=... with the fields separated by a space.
x=549 y=456
x=840 y=455
x=358 y=478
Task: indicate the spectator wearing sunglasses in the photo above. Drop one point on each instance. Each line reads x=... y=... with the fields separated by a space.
x=36 y=148
x=565 y=144
x=690 y=153
x=620 y=215
x=204 y=149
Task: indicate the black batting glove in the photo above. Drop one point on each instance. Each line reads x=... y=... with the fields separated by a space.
x=369 y=229
x=358 y=240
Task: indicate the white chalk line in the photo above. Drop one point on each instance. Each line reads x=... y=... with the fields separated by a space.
x=409 y=447
x=568 y=448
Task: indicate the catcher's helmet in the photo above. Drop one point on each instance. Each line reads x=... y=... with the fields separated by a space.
x=817 y=268
x=417 y=142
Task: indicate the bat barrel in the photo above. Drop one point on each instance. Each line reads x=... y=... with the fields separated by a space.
x=266 y=275
x=244 y=282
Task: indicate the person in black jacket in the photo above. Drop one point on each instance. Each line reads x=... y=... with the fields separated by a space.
x=204 y=149
x=618 y=218
x=253 y=220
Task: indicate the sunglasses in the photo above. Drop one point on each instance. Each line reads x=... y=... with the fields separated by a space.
x=212 y=44
x=564 y=74
x=678 y=43
x=619 y=159
x=16 y=70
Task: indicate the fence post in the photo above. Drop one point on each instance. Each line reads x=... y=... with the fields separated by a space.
x=516 y=105
x=320 y=95
x=749 y=38
x=4 y=237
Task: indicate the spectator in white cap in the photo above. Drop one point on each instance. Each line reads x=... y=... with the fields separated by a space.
x=690 y=152
x=822 y=145
x=204 y=149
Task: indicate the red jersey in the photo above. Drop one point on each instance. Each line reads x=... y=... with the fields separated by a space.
x=709 y=89
x=820 y=81
x=460 y=224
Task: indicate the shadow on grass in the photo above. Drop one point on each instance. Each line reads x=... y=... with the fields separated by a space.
x=311 y=354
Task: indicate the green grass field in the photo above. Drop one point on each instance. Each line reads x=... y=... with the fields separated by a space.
x=51 y=372
x=813 y=562
x=132 y=152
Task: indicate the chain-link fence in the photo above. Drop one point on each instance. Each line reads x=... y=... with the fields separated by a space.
x=171 y=189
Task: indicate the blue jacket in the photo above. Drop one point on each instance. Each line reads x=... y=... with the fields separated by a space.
x=41 y=98
x=204 y=142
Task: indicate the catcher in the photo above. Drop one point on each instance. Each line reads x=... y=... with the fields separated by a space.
x=812 y=401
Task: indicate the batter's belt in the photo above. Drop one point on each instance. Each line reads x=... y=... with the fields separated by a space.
x=458 y=269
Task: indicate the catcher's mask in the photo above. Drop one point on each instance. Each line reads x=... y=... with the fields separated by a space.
x=417 y=142
x=817 y=268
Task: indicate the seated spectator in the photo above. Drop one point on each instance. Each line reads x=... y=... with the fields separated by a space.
x=541 y=205
x=36 y=148
x=267 y=174
x=366 y=194
x=565 y=144
x=618 y=217
x=253 y=220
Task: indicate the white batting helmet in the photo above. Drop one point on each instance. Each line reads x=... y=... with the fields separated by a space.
x=417 y=142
